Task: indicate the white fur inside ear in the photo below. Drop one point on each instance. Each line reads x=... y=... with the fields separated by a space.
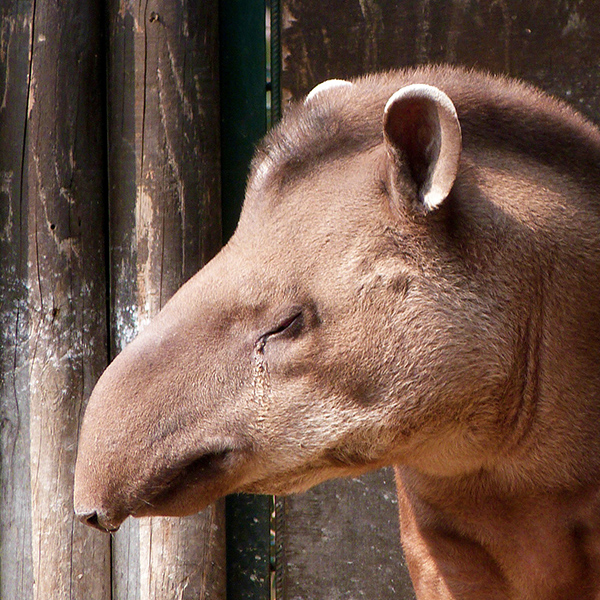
x=422 y=90
x=325 y=87
x=412 y=109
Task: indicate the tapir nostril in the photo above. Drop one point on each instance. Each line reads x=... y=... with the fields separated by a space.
x=93 y=520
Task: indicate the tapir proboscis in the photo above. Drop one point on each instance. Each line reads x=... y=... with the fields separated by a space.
x=414 y=281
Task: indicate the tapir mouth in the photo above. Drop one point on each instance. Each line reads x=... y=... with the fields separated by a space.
x=189 y=474
x=183 y=488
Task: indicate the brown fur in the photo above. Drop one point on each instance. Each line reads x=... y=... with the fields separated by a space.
x=344 y=328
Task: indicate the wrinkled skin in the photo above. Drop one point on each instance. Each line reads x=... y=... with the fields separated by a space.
x=408 y=285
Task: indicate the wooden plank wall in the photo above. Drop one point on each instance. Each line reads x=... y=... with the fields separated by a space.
x=340 y=540
x=109 y=201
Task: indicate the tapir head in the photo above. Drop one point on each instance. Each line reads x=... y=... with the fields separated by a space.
x=329 y=337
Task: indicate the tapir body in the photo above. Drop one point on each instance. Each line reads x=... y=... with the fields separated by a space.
x=414 y=281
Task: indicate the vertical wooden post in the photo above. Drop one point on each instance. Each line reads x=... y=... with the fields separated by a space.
x=163 y=132
x=16 y=577
x=243 y=97
x=53 y=280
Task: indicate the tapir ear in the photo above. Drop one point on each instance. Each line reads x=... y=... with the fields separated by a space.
x=324 y=87
x=422 y=129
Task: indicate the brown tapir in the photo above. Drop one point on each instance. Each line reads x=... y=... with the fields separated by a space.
x=414 y=281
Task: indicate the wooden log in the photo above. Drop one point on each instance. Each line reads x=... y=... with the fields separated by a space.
x=163 y=122
x=53 y=280
x=552 y=44
x=16 y=576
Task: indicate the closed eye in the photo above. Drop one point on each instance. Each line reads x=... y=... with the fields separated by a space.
x=289 y=327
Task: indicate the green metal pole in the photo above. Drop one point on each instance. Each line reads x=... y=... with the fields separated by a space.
x=243 y=74
x=243 y=77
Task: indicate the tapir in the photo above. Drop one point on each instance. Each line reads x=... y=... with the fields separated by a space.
x=414 y=281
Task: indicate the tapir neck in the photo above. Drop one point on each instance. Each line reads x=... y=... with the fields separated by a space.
x=466 y=544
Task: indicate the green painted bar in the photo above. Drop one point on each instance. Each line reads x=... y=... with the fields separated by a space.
x=243 y=74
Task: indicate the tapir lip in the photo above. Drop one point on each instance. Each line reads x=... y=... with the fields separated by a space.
x=193 y=470
x=198 y=473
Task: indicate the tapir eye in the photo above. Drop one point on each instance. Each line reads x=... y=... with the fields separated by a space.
x=290 y=326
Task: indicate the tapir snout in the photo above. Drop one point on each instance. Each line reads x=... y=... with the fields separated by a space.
x=171 y=440
x=151 y=438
